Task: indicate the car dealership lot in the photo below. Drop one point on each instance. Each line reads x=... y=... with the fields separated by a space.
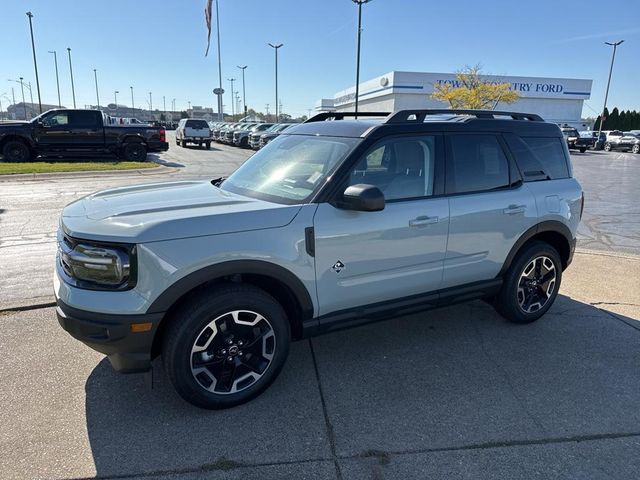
x=454 y=393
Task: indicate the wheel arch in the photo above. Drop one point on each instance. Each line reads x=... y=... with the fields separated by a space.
x=277 y=281
x=14 y=137
x=132 y=138
x=555 y=233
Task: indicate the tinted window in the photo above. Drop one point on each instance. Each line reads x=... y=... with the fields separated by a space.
x=401 y=167
x=84 y=119
x=540 y=154
x=477 y=163
x=197 y=124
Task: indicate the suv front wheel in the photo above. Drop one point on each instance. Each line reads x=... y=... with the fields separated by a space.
x=531 y=284
x=226 y=347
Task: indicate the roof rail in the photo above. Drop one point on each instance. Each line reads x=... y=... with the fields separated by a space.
x=420 y=115
x=322 y=116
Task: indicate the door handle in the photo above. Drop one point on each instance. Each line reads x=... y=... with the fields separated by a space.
x=513 y=209
x=423 y=220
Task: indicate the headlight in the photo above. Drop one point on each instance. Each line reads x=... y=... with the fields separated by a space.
x=96 y=266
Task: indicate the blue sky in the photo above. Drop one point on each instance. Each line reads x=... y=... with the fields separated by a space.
x=159 y=46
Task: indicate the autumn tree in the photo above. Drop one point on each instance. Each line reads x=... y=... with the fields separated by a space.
x=471 y=91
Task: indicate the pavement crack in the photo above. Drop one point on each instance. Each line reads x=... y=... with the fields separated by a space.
x=327 y=420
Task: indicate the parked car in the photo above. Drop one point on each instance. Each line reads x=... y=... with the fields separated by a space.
x=241 y=137
x=268 y=136
x=228 y=134
x=215 y=131
x=627 y=142
x=590 y=139
x=331 y=225
x=222 y=134
x=194 y=131
x=80 y=133
x=574 y=140
x=254 y=138
x=599 y=139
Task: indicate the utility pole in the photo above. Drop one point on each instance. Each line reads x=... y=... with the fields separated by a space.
x=35 y=62
x=55 y=60
x=115 y=100
x=267 y=109
x=233 y=111
x=132 y=105
x=220 y=107
x=606 y=95
x=23 y=101
x=73 y=89
x=276 y=47
x=244 y=94
x=164 y=108
x=30 y=95
x=359 y=2
x=95 y=76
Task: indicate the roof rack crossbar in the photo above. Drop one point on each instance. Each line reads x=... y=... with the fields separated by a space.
x=403 y=116
x=322 y=116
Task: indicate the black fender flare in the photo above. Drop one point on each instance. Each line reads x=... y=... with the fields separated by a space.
x=234 y=267
x=546 y=226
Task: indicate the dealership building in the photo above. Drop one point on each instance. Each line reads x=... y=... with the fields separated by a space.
x=557 y=100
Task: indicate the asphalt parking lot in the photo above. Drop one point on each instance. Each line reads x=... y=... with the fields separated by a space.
x=452 y=393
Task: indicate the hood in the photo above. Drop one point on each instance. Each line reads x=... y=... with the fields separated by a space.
x=14 y=123
x=166 y=211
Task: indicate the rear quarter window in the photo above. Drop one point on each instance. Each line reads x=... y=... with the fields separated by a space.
x=539 y=158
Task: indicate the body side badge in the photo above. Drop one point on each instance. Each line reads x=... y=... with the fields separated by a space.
x=338 y=266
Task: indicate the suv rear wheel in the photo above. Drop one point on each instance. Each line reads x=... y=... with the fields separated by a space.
x=607 y=147
x=226 y=347
x=635 y=148
x=531 y=284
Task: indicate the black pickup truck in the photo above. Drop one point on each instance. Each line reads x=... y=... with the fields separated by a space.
x=78 y=133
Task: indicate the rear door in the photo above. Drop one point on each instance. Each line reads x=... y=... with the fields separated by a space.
x=86 y=129
x=490 y=207
x=364 y=258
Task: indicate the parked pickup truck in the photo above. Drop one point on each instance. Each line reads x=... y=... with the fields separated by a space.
x=575 y=141
x=78 y=132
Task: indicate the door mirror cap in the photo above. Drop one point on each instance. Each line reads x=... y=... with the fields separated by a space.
x=362 y=198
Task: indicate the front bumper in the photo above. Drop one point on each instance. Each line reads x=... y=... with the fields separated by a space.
x=111 y=334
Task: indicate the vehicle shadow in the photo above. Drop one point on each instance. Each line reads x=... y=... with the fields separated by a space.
x=456 y=376
x=156 y=158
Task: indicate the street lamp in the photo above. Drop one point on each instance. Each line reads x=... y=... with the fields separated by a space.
x=95 y=76
x=164 y=108
x=115 y=99
x=132 y=105
x=359 y=2
x=55 y=60
x=220 y=107
x=244 y=95
x=606 y=95
x=35 y=62
x=233 y=111
x=73 y=90
x=23 y=102
x=276 y=47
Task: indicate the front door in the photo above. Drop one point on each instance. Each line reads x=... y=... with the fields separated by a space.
x=370 y=257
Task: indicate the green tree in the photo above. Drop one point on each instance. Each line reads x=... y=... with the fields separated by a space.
x=473 y=91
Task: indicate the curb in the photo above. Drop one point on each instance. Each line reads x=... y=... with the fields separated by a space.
x=159 y=170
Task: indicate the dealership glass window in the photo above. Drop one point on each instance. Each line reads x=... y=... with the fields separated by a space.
x=402 y=168
x=477 y=163
x=544 y=155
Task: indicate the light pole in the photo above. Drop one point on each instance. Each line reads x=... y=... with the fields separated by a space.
x=164 y=108
x=359 y=2
x=220 y=107
x=35 y=62
x=30 y=94
x=95 y=76
x=55 y=61
x=276 y=47
x=606 y=95
x=132 y=105
x=173 y=108
x=115 y=99
x=233 y=111
x=150 y=103
x=244 y=94
x=23 y=102
x=73 y=89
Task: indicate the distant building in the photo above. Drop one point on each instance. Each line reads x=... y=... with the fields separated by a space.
x=204 y=113
x=17 y=110
x=557 y=100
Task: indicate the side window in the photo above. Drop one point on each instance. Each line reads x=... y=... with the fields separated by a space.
x=477 y=163
x=402 y=168
x=545 y=155
x=85 y=119
x=56 y=119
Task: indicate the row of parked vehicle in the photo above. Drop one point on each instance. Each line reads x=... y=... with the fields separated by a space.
x=606 y=140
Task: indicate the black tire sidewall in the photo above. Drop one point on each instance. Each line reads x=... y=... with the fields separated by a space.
x=128 y=152
x=188 y=324
x=507 y=300
x=12 y=144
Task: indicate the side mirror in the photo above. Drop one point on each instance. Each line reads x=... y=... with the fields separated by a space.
x=40 y=124
x=362 y=198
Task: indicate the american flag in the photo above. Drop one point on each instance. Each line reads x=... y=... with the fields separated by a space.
x=207 y=19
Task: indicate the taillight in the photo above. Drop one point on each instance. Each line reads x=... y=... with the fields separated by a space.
x=163 y=135
x=581 y=204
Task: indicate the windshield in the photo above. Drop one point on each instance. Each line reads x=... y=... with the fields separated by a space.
x=290 y=169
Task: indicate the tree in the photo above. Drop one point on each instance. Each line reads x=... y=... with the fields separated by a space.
x=472 y=91
x=184 y=114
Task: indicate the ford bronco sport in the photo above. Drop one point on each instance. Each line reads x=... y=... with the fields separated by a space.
x=337 y=222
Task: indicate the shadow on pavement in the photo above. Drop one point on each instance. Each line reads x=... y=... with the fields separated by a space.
x=453 y=378
x=155 y=157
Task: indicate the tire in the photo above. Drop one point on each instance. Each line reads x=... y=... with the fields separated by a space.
x=191 y=329
x=134 y=152
x=582 y=150
x=635 y=149
x=208 y=145
x=607 y=147
x=519 y=288
x=17 y=151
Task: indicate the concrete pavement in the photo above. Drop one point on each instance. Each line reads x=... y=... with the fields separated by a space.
x=450 y=393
